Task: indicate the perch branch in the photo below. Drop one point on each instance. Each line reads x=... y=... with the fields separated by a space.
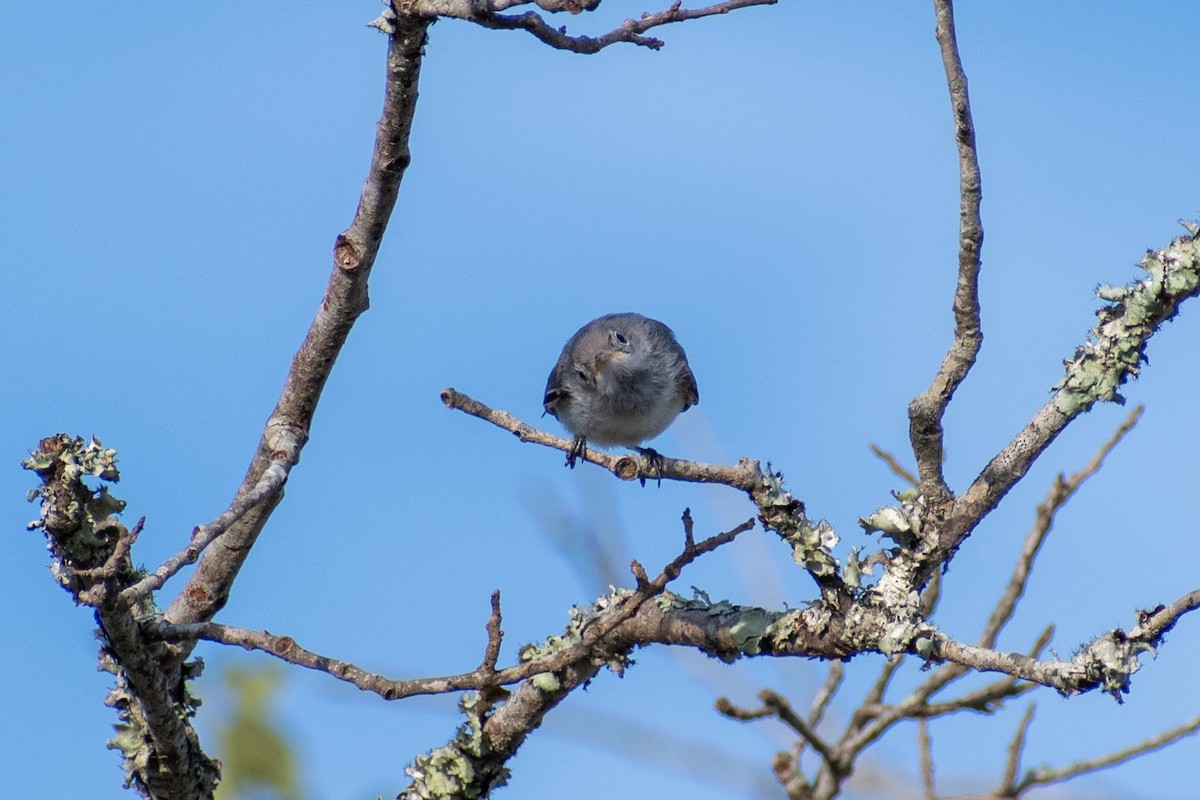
x=746 y=475
x=778 y=509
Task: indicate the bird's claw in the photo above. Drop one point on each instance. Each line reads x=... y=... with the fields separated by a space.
x=578 y=450
x=654 y=463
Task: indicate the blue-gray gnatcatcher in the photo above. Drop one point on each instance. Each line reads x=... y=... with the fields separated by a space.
x=621 y=379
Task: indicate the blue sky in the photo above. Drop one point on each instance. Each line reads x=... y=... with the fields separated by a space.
x=779 y=185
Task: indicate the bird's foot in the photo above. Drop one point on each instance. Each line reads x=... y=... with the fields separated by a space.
x=578 y=450
x=654 y=463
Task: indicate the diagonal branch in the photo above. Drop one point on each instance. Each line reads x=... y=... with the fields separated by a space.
x=1012 y=761
x=287 y=428
x=1062 y=491
x=1113 y=353
x=926 y=410
x=1044 y=776
x=269 y=483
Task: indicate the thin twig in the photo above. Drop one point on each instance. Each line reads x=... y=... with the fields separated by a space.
x=1012 y=762
x=745 y=475
x=268 y=485
x=1062 y=491
x=1044 y=776
x=783 y=710
x=108 y=570
x=925 y=750
x=872 y=719
x=492 y=653
x=725 y=707
x=821 y=700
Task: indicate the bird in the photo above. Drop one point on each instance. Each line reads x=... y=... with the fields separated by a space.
x=620 y=380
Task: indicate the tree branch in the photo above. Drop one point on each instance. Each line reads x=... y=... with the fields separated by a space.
x=1062 y=491
x=269 y=483
x=1107 y=662
x=925 y=754
x=1044 y=776
x=631 y=31
x=1113 y=353
x=345 y=298
x=1012 y=761
x=811 y=542
x=588 y=632
x=926 y=410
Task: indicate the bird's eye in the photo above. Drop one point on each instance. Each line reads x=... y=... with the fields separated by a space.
x=620 y=337
x=583 y=376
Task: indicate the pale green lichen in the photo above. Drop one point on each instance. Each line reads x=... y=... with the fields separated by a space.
x=75 y=515
x=1115 y=348
x=748 y=631
x=902 y=524
x=781 y=512
x=573 y=635
x=450 y=771
x=1111 y=661
x=386 y=21
x=133 y=737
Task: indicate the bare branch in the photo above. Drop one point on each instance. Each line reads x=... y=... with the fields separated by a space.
x=631 y=31
x=783 y=710
x=726 y=708
x=745 y=475
x=1044 y=776
x=925 y=750
x=873 y=719
x=591 y=632
x=821 y=700
x=778 y=509
x=1062 y=491
x=1012 y=762
x=269 y=484
x=875 y=695
x=926 y=410
x=984 y=700
x=345 y=298
x=492 y=654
